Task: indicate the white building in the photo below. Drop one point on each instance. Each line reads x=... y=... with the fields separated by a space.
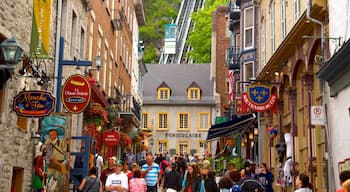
x=178 y=108
x=336 y=72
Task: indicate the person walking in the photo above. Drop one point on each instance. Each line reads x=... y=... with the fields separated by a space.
x=343 y=176
x=109 y=170
x=172 y=180
x=99 y=164
x=137 y=184
x=191 y=181
x=225 y=184
x=265 y=177
x=303 y=183
x=248 y=183
x=117 y=181
x=91 y=183
x=151 y=172
x=208 y=179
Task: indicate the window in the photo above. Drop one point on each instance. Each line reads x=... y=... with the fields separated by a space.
x=249 y=28
x=183 y=147
x=296 y=10
x=162 y=146
x=193 y=94
x=104 y=67
x=145 y=120
x=203 y=147
x=162 y=121
x=163 y=93
x=263 y=43
x=73 y=34
x=99 y=45
x=82 y=43
x=91 y=37
x=283 y=18
x=110 y=71
x=203 y=121
x=183 y=121
x=272 y=26
x=248 y=72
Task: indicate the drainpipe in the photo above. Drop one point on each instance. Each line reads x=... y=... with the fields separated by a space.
x=323 y=35
x=330 y=185
x=58 y=35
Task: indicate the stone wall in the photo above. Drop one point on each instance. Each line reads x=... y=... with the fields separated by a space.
x=16 y=147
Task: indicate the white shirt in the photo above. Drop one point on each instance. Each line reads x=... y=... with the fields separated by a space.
x=115 y=180
x=99 y=162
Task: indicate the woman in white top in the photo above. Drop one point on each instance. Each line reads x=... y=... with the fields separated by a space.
x=303 y=183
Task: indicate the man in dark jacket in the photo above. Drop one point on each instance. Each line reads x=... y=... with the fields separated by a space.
x=172 y=179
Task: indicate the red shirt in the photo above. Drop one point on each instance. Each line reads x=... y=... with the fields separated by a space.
x=340 y=190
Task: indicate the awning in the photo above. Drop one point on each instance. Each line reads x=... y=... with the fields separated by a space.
x=227 y=128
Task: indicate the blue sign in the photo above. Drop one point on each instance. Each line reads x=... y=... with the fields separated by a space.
x=33 y=103
x=259 y=94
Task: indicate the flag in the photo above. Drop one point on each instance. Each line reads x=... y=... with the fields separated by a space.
x=231 y=92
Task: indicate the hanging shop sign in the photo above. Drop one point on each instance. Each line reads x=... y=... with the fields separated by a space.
x=33 y=103
x=76 y=93
x=241 y=107
x=259 y=98
x=111 y=138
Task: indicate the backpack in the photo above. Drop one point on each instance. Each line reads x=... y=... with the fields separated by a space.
x=236 y=188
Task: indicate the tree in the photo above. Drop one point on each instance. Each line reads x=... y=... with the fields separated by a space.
x=158 y=13
x=200 y=36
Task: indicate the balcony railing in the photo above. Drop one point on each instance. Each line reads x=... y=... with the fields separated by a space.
x=233 y=58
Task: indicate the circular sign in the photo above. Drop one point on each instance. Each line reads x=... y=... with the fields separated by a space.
x=111 y=138
x=76 y=93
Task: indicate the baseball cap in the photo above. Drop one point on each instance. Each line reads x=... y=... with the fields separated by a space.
x=119 y=162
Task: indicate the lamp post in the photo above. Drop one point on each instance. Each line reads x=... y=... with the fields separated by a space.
x=61 y=63
x=11 y=52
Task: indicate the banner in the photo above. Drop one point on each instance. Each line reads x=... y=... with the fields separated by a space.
x=40 y=39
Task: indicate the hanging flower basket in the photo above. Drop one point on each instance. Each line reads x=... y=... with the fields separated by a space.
x=95 y=114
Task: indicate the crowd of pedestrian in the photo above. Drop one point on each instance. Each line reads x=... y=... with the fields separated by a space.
x=180 y=173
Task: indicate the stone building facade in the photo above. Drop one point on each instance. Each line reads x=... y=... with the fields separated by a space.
x=289 y=54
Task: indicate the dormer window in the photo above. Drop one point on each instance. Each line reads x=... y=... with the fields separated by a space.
x=193 y=94
x=163 y=93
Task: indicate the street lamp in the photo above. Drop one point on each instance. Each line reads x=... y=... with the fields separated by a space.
x=35 y=137
x=12 y=52
x=98 y=63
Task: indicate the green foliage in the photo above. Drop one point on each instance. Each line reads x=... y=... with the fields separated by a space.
x=158 y=13
x=200 y=37
x=237 y=161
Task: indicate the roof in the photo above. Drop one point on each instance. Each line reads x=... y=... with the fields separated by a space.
x=179 y=77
